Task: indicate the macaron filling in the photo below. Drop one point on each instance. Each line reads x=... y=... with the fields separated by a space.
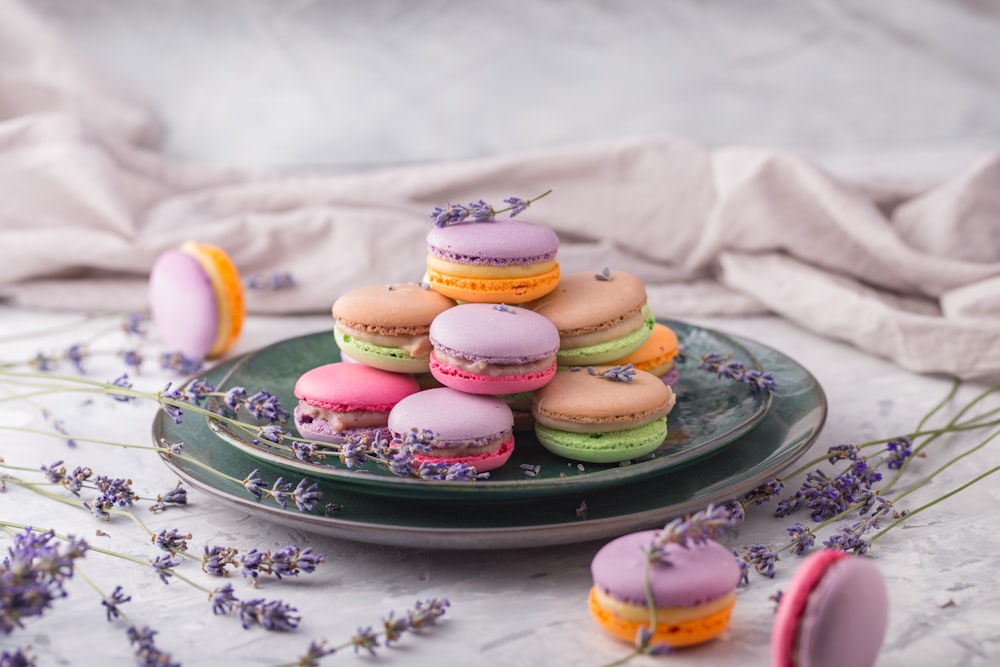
x=611 y=349
x=490 y=270
x=495 y=368
x=341 y=421
x=414 y=345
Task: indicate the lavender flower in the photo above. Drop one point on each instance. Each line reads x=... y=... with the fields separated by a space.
x=693 y=529
x=75 y=354
x=234 y=398
x=305 y=496
x=899 y=450
x=279 y=492
x=273 y=281
x=427 y=612
x=19 y=658
x=393 y=628
x=33 y=574
x=766 y=492
x=171 y=540
x=223 y=600
x=620 y=373
x=841 y=452
x=517 y=205
x=744 y=568
x=145 y=648
x=265 y=405
x=197 y=391
x=168 y=394
x=313 y=654
x=274 y=433
x=123 y=382
x=55 y=473
x=164 y=566
x=762 y=557
x=175 y=496
x=74 y=481
x=851 y=538
x=725 y=367
x=217 y=558
x=365 y=639
x=111 y=602
x=134 y=324
x=180 y=364
x=272 y=615
x=132 y=358
x=802 y=538
x=354 y=452
x=287 y=562
x=254 y=484
x=605 y=274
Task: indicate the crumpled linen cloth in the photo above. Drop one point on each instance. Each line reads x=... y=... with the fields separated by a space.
x=87 y=203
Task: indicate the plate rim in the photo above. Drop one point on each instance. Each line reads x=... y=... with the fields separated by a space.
x=525 y=536
x=489 y=490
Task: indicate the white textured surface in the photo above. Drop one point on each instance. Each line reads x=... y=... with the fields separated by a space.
x=907 y=89
x=509 y=607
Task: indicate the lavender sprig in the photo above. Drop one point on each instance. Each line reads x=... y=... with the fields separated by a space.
x=479 y=211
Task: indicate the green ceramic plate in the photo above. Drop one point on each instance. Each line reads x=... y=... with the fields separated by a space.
x=795 y=418
x=710 y=414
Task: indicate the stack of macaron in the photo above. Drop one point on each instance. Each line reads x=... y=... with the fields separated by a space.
x=494 y=321
x=492 y=318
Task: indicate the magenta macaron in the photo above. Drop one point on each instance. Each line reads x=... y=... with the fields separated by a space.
x=342 y=400
x=834 y=613
x=468 y=428
x=493 y=349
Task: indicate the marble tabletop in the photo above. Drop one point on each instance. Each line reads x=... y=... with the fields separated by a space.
x=509 y=606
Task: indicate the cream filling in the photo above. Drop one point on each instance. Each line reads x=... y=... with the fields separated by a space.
x=447 y=451
x=632 y=612
x=481 y=367
x=576 y=424
x=626 y=326
x=488 y=270
x=414 y=345
x=342 y=421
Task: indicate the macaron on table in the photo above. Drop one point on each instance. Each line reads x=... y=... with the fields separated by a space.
x=834 y=613
x=692 y=588
x=196 y=300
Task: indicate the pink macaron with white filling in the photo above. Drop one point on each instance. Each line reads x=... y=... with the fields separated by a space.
x=342 y=400
x=471 y=429
x=493 y=349
x=834 y=613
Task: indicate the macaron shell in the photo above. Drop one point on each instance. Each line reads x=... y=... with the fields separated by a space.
x=582 y=303
x=500 y=242
x=686 y=633
x=183 y=304
x=596 y=403
x=610 y=447
x=496 y=290
x=472 y=383
x=453 y=415
x=494 y=333
x=392 y=309
x=698 y=573
x=347 y=387
x=658 y=350
x=843 y=620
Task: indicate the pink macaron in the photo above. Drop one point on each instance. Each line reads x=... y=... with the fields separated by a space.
x=470 y=429
x=834 y=613
x=342 y=400
x=493 y=349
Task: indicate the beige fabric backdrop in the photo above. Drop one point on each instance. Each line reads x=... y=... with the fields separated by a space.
x=87 y=203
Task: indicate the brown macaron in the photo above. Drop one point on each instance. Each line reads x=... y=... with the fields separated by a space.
x=386 y=326
x=602 y=414
x=601 y=316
